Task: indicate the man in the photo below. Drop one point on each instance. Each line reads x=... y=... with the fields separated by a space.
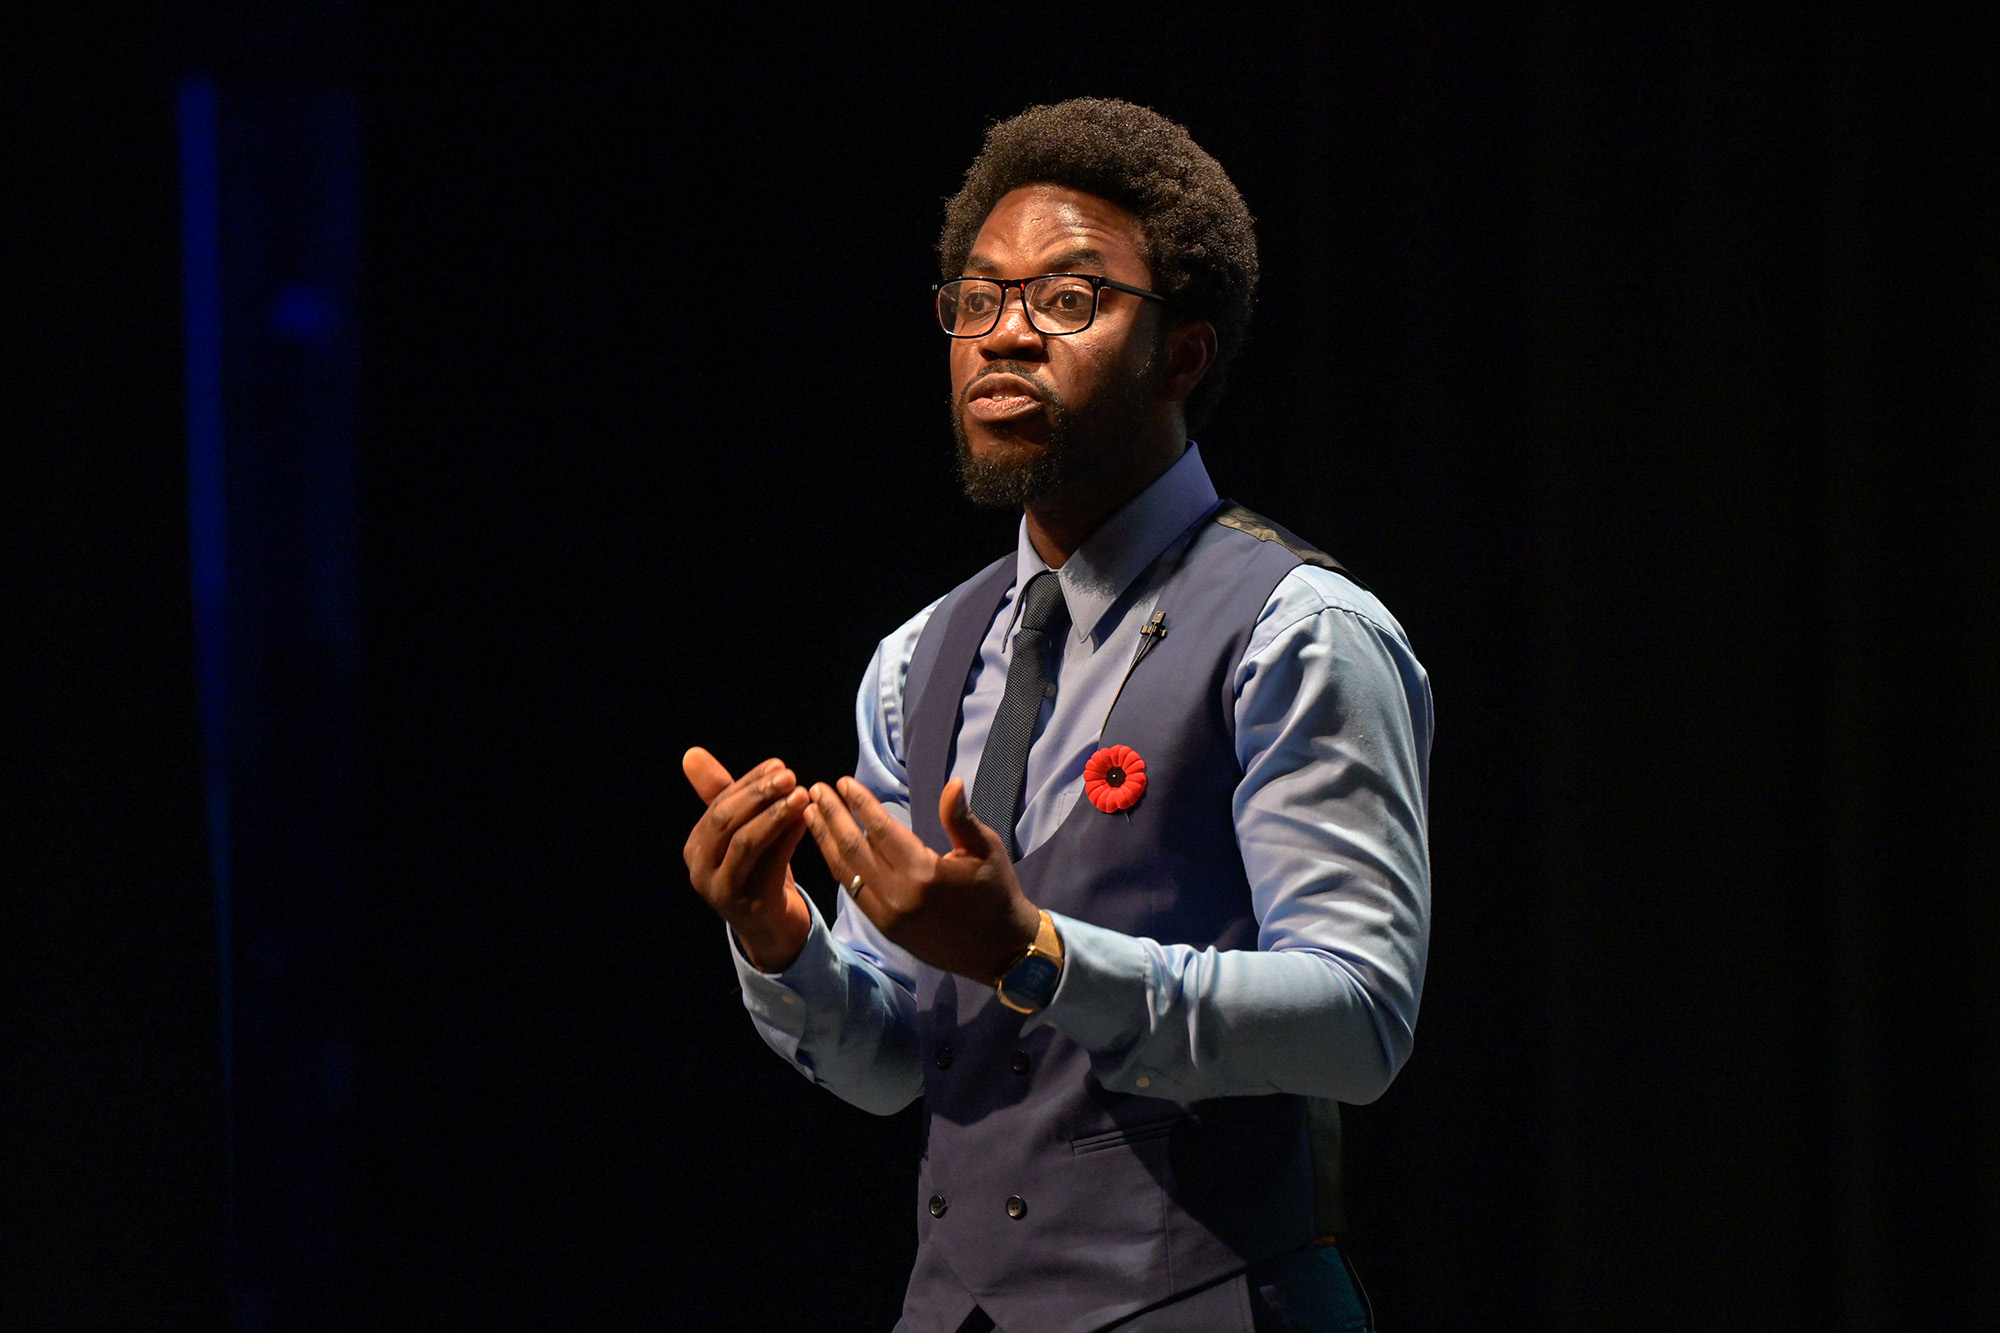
x=1134 y=857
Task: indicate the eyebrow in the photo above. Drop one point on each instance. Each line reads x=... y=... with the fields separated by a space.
x=1062 y=262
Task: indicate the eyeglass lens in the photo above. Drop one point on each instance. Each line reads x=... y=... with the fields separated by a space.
x=970 y=307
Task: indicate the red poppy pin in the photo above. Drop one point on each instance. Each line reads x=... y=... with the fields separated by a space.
x=1115 y=778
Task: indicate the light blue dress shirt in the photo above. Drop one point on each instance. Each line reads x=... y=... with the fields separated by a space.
x=1333 y=730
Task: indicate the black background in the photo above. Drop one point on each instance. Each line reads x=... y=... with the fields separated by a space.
x=1643 y=362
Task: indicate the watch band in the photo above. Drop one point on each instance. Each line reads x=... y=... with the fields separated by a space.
x=1030 y=981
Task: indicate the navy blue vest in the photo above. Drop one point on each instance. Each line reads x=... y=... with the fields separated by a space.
x=1122 y=1201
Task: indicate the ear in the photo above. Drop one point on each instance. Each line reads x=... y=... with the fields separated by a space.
x=1190 y=352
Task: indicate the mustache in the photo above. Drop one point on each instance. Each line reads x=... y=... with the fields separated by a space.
x=1037 y=390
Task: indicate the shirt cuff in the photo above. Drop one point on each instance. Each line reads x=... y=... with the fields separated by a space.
x=783 y=999
x=1102 y=999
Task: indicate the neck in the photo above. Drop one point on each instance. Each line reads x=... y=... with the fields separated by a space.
x=1061 y=522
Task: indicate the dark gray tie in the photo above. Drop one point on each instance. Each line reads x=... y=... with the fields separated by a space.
x=1031 y=677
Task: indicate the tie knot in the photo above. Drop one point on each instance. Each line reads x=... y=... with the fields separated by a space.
x=1042 y=605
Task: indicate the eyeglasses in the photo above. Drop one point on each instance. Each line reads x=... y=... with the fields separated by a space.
x=1056 y=303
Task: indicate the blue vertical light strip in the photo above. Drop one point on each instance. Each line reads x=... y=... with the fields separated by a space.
x=201 y=295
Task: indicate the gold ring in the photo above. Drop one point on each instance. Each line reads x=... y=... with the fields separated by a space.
x=854 y=885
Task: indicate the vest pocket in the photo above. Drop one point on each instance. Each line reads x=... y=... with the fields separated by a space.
x=1152 y=1130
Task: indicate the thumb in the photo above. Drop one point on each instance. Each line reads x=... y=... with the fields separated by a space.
x=968 y=835
x=705 y=774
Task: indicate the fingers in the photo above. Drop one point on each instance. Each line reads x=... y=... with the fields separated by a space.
x=705 y=774
x=892 y=844
x=758 y=837
x=738 y=803
x=777 y=857
x=743 y=798
x=848 y=853
x=711 y=781
x=967 y=834
x=840 y=839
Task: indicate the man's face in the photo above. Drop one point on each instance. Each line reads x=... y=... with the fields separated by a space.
x=1033 y=411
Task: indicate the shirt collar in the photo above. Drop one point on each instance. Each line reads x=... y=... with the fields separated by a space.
x=1097 y=575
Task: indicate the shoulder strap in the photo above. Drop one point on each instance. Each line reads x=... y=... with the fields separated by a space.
x=1245 y=520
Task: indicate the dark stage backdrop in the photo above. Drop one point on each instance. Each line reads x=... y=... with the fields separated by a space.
x=1644 y=362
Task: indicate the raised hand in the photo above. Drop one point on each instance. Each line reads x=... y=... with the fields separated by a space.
x=963 y=912
x=739 y=855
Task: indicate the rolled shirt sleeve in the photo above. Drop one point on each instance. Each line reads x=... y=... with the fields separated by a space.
x=840 y=1018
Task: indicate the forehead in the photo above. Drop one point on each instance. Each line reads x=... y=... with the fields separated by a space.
x=1036 y=223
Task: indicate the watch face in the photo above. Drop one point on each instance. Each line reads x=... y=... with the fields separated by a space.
x=1031 y=983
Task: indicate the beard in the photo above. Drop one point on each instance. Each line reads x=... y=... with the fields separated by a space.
x=1077 y=440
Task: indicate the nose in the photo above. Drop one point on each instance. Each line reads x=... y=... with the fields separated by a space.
x=1013 y=331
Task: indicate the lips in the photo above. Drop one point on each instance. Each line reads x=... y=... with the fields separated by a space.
x=1002 y=397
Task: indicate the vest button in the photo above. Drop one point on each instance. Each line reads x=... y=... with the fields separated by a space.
x=1020 y=1062
x=938 y=1205
x=942 y=1059
x=1017 y=1207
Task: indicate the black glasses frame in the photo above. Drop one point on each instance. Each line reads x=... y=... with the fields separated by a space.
x=1098 y=282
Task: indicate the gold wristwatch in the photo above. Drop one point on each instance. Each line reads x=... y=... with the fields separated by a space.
x=1030 y=981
